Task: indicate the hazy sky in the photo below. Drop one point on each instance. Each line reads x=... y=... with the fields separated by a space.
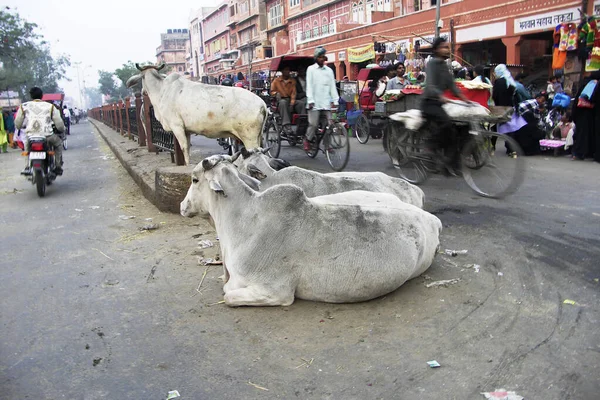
x=105 y=34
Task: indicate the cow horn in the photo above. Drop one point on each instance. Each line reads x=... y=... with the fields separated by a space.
x=265 y=151
x=138 y=66
x=161 y=66
x=207 y=164
x=235 y=156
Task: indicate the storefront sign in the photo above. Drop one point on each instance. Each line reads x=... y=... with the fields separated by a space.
x=597 y=7
x=361 y=54
x=481 y=32
x=330 y=57
x=392 y=47
x=545 y=21
x=427 y=40
x=342 y=55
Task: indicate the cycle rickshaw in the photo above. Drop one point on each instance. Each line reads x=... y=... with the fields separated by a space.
x=331 y=137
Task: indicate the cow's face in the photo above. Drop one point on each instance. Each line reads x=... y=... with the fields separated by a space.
x=203 y=185
x=206 y=188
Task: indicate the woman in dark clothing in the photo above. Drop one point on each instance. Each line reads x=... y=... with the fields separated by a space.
x=587 y=124
x=438 y=80
x=504 y=87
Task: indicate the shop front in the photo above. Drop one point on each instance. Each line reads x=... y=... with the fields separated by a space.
x=359 y=58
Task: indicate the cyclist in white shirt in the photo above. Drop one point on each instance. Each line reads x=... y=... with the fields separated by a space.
x=321 y=94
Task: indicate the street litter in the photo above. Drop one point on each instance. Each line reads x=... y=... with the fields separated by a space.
x=257 y=386
x=173 y=394
x=501 y=394
x=306 y=363
x=474 y=266
x=500 y=274
x=209 y=261
x=103 y=254
x=443 y=283
x=204 y=244
x=148 y=219
x=433 y=364
x=571 y=302
x=149 y=227
x=454 y=253
x=78 y=210
x=125 y=217
x=94 y=207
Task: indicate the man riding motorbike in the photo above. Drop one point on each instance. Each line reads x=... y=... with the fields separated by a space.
x=42 y=118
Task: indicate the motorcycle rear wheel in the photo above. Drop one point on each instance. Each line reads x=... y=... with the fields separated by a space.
x=40 y=183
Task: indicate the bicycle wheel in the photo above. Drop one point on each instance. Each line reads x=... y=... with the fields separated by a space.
x=402 y=145
x=272 y=139
x=314 y=148
x=337 y=147
x=362 y=129
x=493 y=172
x=64 y=143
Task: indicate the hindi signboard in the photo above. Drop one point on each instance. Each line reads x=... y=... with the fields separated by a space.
x=545 y=21
x=361 y=54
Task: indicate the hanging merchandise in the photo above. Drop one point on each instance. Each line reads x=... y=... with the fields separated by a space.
x=593 y=61
x=568 y=37
x=558 y=58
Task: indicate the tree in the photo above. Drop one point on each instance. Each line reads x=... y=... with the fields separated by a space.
x=108 y=86
x=94 y=97
x=25 y=59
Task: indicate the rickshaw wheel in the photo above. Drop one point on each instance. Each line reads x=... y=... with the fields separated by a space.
x=272 y=140
x=362 y=129
x=337 y=147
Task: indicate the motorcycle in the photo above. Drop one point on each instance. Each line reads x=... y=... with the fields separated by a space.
x=41 y=163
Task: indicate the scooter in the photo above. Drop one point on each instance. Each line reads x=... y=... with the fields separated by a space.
x=41 y=163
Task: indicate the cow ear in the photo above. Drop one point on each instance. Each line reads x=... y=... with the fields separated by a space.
x=248 y=180
x=278 y=163
x=134 y=80
x=255 y=172
x=215 y=186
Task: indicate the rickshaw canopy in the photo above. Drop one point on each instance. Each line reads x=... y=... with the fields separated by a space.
x=53 y=97
x=370 y=74
x=293 y=62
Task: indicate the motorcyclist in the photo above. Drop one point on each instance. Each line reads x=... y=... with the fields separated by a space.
x=227 y=81
x=42 y=118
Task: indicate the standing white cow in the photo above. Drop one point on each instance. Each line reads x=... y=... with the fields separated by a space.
x=345 y=247
x=270 y=172
x=186 y=107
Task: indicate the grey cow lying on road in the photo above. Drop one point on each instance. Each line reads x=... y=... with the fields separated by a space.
x=268 y=170
x=280 y=244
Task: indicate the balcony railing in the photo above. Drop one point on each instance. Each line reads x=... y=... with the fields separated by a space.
x=316 y=33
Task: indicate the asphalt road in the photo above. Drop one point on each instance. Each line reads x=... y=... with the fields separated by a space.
x=94 y=308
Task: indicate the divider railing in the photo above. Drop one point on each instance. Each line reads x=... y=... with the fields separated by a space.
x=135 y=119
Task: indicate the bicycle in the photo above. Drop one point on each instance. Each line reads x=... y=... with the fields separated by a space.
x=334 y=137
x=486 y=172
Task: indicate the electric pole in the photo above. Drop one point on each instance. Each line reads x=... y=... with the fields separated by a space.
x=437 y=18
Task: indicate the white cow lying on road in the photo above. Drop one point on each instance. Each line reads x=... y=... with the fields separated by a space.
x=259 y=166
x=280 y=244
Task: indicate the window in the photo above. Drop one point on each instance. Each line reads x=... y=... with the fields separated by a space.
x=233 y=41
x=294 y=3
x=417 y=5
x=244 y=7
x=276 y=14
x=387 y=5
x=232 y=11
x=253 y=4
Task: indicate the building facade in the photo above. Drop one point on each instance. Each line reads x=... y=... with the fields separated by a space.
x=196 y=52
x=358 y=32
x=172 y=49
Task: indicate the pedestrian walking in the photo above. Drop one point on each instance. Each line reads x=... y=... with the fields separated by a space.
x=586 y=115
x=9 y=126
x=3 y=138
